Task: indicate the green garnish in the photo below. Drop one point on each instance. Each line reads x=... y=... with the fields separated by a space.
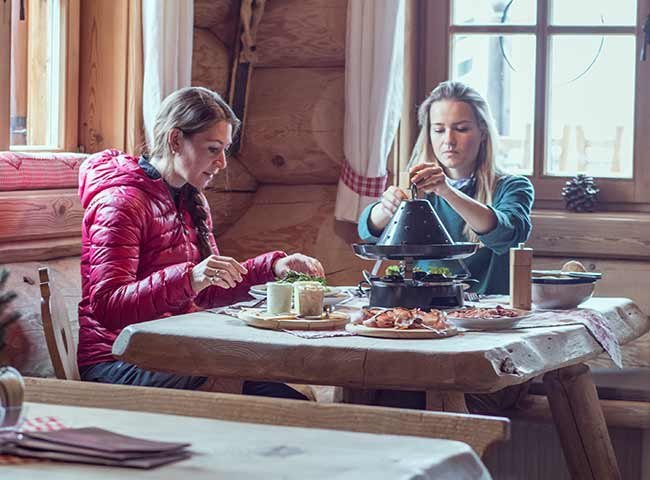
x=291 y=277
x=439 y=271
x=393 y=270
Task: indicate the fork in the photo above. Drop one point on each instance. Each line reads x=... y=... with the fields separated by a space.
x=471 y=297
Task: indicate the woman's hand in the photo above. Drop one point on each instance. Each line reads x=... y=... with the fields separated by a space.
x=384 y=210
x=224 y=272
x=430 y=179
x=300 y=263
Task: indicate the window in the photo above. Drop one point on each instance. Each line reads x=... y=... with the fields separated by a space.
x=42 y=69
x=564 y=82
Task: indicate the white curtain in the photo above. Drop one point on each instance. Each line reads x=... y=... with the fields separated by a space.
x=373 y=100
x=167 y=32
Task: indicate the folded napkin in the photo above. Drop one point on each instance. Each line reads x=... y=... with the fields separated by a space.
x=93 y=446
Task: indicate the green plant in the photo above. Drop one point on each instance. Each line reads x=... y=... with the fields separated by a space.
x=7 y=317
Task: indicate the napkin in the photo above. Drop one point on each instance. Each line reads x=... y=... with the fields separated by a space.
x=94 y=446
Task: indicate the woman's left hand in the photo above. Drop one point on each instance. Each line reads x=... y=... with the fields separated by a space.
x=429 y=179
x=298 y=263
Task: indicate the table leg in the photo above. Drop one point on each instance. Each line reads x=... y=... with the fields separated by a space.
x=446 y=401
x=580 y=423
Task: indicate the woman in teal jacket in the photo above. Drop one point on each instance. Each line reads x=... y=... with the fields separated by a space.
x=453 y=163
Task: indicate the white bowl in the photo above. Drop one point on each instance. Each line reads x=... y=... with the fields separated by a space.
x=549 y=296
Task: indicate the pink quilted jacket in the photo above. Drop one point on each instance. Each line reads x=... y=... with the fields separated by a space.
x=138 y=250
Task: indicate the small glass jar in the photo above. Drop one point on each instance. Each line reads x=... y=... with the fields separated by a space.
x=278 y=297
x=308 y=298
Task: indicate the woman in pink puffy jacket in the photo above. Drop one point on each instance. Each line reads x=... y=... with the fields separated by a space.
x=147 y=245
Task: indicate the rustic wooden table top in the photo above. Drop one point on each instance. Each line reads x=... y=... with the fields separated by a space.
x=237 y=450
x=206 y=343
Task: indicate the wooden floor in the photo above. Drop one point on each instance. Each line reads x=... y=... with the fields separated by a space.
x=534 y=453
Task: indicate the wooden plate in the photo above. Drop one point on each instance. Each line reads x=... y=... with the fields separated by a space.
x=257 y=317
x=394 y=333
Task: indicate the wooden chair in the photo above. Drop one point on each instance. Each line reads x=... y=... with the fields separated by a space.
x=58 y=332
x=63 y=349
x=477 y=431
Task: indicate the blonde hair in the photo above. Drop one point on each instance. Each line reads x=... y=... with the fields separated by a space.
x=486 y=173
x=191 y=110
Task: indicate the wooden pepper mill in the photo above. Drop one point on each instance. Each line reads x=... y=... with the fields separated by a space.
x=521 y=261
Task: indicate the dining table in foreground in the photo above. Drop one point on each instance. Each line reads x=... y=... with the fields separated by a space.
x=205 y=343
x=236 y=450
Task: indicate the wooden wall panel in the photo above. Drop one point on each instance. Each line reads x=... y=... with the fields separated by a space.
x=612 y=235
x=227 y=208
x=306 y=33
x=210 y=62
x=212 y=13
x=621 y=278
x=5 y=77
x=39 y=214
x=103 y=75
x=235 y=178
x=294 y=133
x=297 y=219
x=38 y=77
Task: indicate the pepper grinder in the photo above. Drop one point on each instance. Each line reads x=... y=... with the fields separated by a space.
x=521 y=260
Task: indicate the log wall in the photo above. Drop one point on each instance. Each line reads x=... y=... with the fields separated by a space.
x=283 y=189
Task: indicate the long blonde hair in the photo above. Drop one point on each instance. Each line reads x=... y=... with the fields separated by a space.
x=191 y=110
x=486 y=173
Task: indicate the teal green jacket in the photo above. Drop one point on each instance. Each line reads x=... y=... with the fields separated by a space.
x=512 y=203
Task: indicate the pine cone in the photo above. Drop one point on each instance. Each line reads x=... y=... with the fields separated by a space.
x=581 y=194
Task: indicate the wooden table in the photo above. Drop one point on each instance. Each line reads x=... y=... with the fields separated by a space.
x=236 y=450
x=220 y=346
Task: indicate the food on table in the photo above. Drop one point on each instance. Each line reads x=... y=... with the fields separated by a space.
x=278 y=297
x=291 y=277
x=496 y=312
x=573 y=266
x=393 y=271
x=308 y=298
x=403 y=318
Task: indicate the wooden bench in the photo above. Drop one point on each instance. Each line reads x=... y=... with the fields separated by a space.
x=477 y=431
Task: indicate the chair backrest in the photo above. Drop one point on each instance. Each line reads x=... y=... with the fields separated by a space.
x=477 y=431
x=57 y=330
x=583 y=144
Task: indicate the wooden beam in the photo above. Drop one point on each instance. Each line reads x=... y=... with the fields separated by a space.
x=607 y=235
x=39 y=214
x=103 y=75
x=39 y=250
x=210 y=61
x=478 y=431
x=617 y=413
x=301 y=144
x=70 y=17
x=5 y=73
x=308 y=33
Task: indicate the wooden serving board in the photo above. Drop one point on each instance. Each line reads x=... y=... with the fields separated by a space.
x=395 y=333
x=257 y=317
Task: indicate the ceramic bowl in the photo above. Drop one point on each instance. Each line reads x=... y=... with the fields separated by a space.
x=561 y=295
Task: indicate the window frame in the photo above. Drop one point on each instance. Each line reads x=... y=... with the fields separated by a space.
x=67 y=140
x=623 y=194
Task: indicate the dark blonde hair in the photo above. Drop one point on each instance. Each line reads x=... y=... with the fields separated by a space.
x=486 y=172
x=191 y=110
